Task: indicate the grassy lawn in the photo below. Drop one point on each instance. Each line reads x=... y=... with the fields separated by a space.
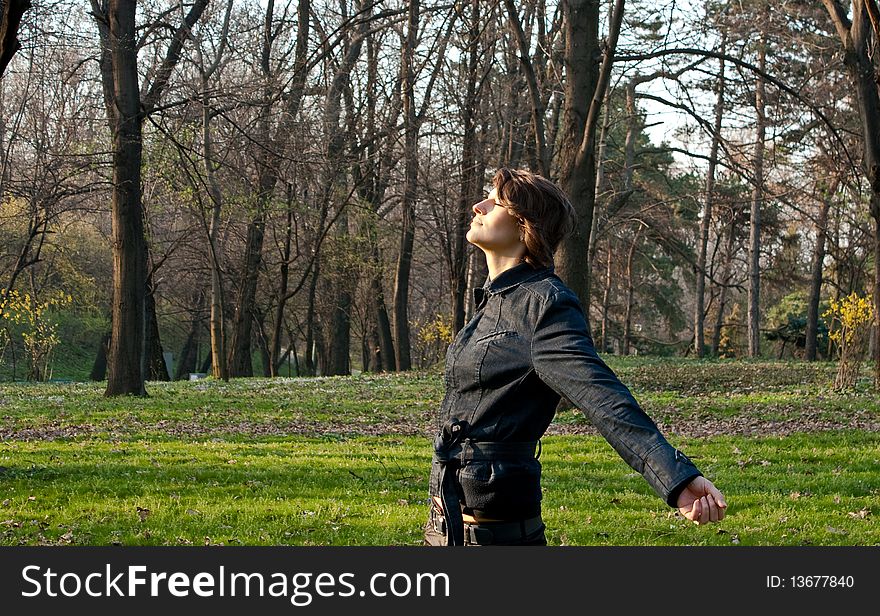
x=345 y=461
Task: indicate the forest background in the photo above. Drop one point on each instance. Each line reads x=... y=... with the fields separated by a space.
x=291 y=181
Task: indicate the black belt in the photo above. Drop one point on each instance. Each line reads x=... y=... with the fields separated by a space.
x=451 y=449
x=491 y=533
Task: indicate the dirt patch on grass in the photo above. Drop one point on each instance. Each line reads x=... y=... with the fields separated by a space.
x=772 y=421
x=782 y=423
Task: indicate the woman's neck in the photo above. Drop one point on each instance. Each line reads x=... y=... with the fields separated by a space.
x=498 y=264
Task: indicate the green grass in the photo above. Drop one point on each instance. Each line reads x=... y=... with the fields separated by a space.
x=345 y=461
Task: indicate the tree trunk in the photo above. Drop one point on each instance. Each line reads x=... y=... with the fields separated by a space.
x=126 y=366
x=263 y=344
x=632 y=133
x=383 y=323
x=125 y=112
x=240 y=362
x=630 y=290
x=725 y=283
x=218 y=308
x=189 y=354
x=585 y=86
x=278 y=322
x=811 y=343
x=156 y=369
x=411 y=170
x=339 y=349
x=470 y=175
x=372 y=184
x=606 y=300
x=602 y=153
x=99 y=368
x=11 y=13
x=311 y=368
x=754 y=316
x=577 y=173
x=343 y=283
x=705 y=223
x=875 y=208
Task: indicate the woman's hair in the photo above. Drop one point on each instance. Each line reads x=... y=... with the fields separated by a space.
x=542 y=210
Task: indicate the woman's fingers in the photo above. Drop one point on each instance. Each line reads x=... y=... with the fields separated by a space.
x=717 y=495
x=695 y=511
x=704 y=514
x=715 y=512
x=707 y=508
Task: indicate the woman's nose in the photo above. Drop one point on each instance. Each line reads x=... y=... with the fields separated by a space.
x=480 y=208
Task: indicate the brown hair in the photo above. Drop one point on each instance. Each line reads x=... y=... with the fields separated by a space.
x=544 y=213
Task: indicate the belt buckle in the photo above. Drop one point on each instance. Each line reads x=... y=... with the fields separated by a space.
x=479 y=535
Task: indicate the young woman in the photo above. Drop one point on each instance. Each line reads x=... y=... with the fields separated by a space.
x=526 y=346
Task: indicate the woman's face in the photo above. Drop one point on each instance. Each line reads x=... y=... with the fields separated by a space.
x=493 y=228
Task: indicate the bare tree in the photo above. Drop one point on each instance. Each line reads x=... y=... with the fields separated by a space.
x=754 y=314
x=126 y=111
x=269 y=158
x=706 y=221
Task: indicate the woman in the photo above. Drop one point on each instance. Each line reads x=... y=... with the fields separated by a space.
x=526 y=346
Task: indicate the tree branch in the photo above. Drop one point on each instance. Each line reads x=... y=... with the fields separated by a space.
x=171 y=57
x=602 y=82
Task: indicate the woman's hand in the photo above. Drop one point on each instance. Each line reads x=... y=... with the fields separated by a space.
x=701 y=502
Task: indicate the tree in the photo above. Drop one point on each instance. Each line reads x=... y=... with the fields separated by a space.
x=585 y=85
x=860 y=37
x=706 y=220
x=754 y=314
x=126 y=112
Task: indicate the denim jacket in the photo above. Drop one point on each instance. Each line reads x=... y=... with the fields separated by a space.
x=526 y=345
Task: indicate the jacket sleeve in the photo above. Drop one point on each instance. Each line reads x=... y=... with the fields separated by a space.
x=564 y=358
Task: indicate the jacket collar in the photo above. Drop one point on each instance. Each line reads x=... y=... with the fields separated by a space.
x=509 y=278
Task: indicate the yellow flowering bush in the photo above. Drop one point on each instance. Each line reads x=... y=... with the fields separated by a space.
x=23 y=316
x=433 y=338
x=853 y=316
x=437 y=330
